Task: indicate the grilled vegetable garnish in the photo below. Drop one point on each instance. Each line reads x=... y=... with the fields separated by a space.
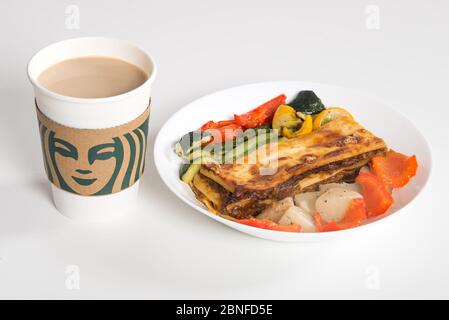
x=395 y=169
x=250 y=141
x=191 y=143
x=328 y=115
x=190 y=173
x=354 y=216
x=332 y=204
x=306 y=128
x=260 y=115
x=285 y=116
x=214 y=125
x=307 y=102
x=270 y=225
x=183 y=169
x=377 y=197
x=222 y=130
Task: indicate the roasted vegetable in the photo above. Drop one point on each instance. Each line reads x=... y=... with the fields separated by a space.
x=377 y=197
x=261 y=115
x=354 y=216
x=277 y=210
x=190 y=173
x=306 y=128
x=263 y=127
x=213 y=125
x=307 y=201
x=226 y=152
x=187 y=171
x=225 y=133
x=333 y=203
x=183 y=169
x=270 y=225
x=285 y=116
x=191 y=142
x=250 y=141
x=330 y=114
x=222 y=130
x=307 y=102
x=395 y=169
x=297 y=216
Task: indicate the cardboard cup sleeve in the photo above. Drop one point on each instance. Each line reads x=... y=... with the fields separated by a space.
x=94 y=162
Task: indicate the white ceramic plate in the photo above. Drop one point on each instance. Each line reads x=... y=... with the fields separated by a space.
x=398 y=132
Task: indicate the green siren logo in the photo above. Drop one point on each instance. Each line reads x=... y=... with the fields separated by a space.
x=94 y=161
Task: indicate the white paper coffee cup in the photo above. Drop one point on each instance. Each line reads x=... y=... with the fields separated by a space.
x=97 y=113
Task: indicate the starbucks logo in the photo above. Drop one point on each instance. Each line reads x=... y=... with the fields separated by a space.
x=94 y=161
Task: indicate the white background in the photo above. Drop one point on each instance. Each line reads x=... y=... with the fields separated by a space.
x=168 y=250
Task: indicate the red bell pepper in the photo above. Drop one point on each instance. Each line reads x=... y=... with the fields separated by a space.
x=260 y=115
x=222 y=130
x=225 y=133
x=270 y=225
x=215 y=125
x=208 y=125
x=355 y=215
x=395 y=169
x=377 y=197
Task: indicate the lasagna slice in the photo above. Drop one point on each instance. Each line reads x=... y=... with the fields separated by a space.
x=333 y=153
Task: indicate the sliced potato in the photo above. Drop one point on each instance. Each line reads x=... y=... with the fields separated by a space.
x=277 y=210
x=348 y=186
x=295 y=215
x=332 y=204
x=306 y=201
x=365 y=169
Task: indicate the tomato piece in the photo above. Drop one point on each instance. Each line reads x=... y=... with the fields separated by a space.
x=355 y=215
x=261 y=115
x=270 y=225
x=395 y=169
x=376 y=195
